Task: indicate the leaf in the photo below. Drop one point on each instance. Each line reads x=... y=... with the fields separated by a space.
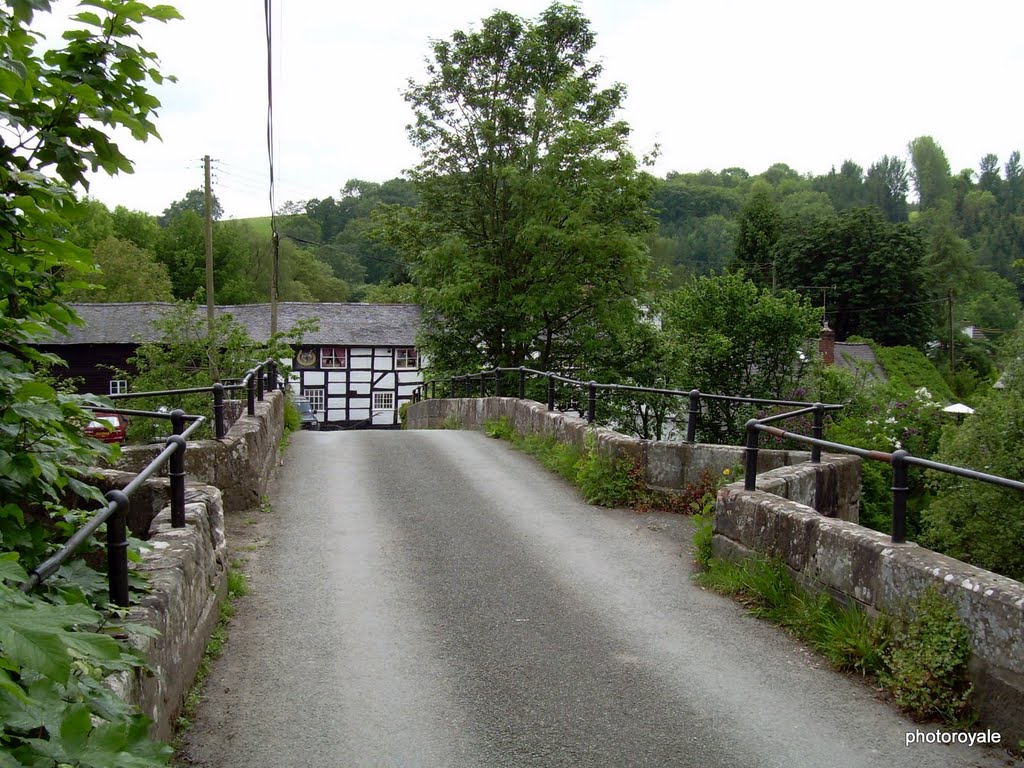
x=74 y=731
x=9 y=568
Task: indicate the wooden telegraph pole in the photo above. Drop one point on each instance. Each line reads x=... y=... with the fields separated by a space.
x=208 y=196
x=274 y=280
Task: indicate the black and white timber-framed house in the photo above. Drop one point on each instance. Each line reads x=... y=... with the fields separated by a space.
x=356 y=369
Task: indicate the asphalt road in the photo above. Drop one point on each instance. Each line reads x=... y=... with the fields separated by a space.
x=438 y=599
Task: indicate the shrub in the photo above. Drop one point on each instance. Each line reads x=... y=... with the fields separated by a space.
x=927 y=661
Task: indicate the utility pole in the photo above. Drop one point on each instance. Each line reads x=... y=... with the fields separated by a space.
x=952 y=338
x=274 y=279
x=208 y=196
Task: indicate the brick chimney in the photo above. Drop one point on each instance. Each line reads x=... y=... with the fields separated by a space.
x=827 y=345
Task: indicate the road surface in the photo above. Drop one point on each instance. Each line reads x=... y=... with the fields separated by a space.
x=438 y=599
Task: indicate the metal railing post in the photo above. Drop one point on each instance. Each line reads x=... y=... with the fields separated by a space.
x=469 y=386
x=250 y=405
x=551 y=392
x=483 y=385
x=271 y=375
x=817 y=431
x=497 y=383
x=433 y=389
x=176 y=469
x=259 y=382
x=220 y=428
x=117 y=549
x=522 y=382
x=691 y=419
x=750 y=453
x=591 y=401
x=899 y=497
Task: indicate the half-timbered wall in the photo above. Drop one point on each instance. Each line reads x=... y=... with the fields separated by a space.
x=363 y=386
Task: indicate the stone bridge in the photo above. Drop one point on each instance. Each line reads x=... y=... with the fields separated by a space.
x=825 y=550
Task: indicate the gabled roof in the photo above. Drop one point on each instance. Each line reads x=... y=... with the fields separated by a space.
x=341 y=324
x=857 y=357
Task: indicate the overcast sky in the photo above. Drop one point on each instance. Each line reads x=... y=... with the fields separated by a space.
x=716 y=83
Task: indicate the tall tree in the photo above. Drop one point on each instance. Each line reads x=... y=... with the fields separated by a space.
x=930 y=172
x=529 y=236
x=887 y=186
x=874 y=272
x=759 y=227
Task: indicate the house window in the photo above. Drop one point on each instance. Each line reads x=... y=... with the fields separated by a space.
x=383 y=401
x=315 y=395
x=118 y=386
x=332 y=357
x=407 y=357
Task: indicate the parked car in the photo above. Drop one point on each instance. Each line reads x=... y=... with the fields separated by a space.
x=307 y=413
x=107 y=427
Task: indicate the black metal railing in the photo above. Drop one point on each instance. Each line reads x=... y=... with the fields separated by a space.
x=900 y=460
x=256 y=381
x=591 y=389
x=115 y=513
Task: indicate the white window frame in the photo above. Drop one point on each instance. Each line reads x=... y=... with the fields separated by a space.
x=316 y=397
x=404 y=356
x=118 y=386
x=330 y=358
x=383 y=401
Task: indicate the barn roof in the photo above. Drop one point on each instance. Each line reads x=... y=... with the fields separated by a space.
x=340 y=324
x=855 y=357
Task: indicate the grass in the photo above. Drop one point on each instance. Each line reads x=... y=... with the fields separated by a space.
x=920 y=657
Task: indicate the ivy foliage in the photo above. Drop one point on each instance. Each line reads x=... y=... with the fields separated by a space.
x=58 y=105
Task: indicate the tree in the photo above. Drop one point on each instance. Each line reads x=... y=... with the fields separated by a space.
x=887 y=185
x=126 y=273
x=56 y=109
x=874 y=270
x=529 y=234
x=930 y=172
x=195 y=201
x=758 y=229
x=734 y=338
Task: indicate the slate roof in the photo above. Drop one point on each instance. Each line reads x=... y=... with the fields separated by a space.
x=340 y=324
x=854 y=357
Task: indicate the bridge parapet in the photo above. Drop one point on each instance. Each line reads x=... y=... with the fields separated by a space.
x=833 y=486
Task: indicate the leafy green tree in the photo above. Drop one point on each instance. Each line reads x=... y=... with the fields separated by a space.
x=846 y=188
x=734 y=338
x=758 y=229
x=126 y=273
x=529 y=234
x=887 y=184
x=930 y=172
x=402 y=293
x=57 y=105
x=875 y=271
x=194 y=201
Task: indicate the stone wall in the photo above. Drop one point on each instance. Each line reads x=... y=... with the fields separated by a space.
x=833 y=485
x=860 y=565
x=239 y=465
x=186 y=569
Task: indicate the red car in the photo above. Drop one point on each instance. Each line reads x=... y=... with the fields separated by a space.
x=108 y=427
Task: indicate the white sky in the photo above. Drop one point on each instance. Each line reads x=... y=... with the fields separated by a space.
x=717 y=83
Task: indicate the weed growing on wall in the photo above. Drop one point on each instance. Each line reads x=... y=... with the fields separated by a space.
x=927 y=661
x=921 y=659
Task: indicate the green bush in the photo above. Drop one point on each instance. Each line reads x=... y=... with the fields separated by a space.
x=927 y=661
